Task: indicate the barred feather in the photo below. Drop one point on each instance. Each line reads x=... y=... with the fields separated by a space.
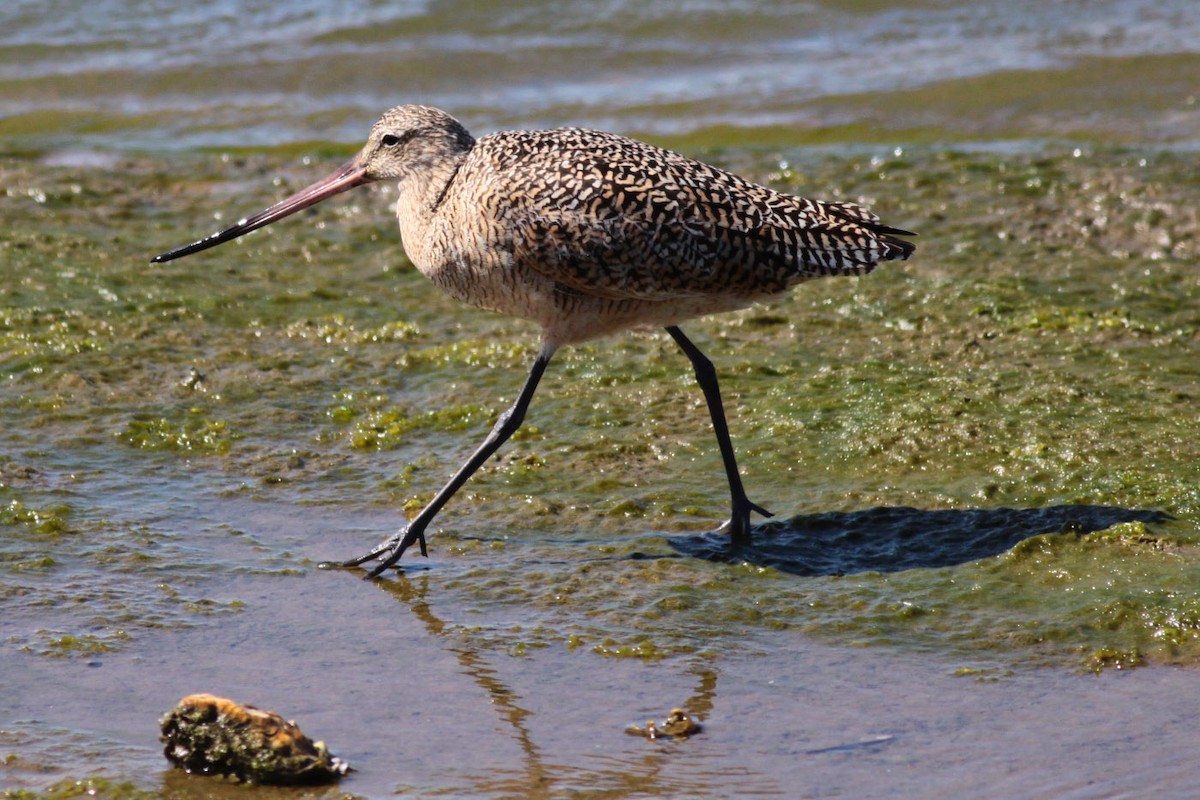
x=588 y=233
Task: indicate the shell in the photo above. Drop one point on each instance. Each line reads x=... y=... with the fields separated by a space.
x=212 y=735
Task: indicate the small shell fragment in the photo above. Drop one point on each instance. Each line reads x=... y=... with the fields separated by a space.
x=677 y=725
x=212 y=735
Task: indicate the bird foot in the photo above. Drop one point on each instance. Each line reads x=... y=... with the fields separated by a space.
x=388 y=552
x=738 y=526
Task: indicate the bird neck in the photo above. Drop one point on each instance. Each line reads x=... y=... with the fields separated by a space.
x=422 y=195
x=424 y=188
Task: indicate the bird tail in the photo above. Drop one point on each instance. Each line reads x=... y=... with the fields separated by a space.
x=896 y=249
x=891 y=248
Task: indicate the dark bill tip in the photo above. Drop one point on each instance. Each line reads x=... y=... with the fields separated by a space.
x=215 y=239
x=349 y=176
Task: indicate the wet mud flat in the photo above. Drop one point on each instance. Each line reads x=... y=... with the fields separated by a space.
x=982 y=461
x=399 y=681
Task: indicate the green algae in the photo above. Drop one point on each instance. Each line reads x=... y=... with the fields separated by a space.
x=387 y=428
x=182 y=786
x=70 y=788
x=78 y=645
x=1037 y=353
x=51 y=520
x=193 y=432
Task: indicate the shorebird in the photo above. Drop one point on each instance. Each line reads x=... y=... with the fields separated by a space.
x=587 y=234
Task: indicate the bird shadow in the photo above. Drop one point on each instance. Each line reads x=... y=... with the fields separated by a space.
x=895 y=538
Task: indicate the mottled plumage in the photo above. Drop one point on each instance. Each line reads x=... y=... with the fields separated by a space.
x=588 y=233
x=596 y=232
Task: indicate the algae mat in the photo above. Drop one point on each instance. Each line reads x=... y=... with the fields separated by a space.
x=982 y=461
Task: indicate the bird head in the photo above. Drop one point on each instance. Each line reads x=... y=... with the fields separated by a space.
x=411 y=141
x=406 y=141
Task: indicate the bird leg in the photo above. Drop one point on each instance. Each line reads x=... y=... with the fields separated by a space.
x=738 y=524
x=390 y=550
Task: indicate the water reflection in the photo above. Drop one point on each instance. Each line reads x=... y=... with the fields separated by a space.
x=895 y=538
x=641 y=769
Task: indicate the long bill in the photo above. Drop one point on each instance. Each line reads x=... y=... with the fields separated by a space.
x=350 y=175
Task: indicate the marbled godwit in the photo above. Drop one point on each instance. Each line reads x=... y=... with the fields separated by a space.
x=587 y=233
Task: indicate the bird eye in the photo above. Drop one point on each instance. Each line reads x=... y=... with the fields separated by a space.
x=390 y=140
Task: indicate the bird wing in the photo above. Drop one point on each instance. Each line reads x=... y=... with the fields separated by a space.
x=614 y=217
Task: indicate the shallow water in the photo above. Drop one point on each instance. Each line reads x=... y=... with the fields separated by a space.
x=230 y=74
x=397 y=678
x=983 y=461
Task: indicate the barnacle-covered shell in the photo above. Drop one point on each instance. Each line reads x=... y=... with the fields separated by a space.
x=212 y=735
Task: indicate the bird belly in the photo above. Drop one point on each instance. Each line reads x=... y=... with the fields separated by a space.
x=579 y=318
x=565 y=315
